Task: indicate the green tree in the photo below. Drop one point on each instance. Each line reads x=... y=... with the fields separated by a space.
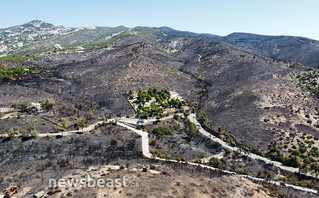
x=191 y=129
x=32 y=130
x=215 y=162
x=25 y=106
x=13 y=132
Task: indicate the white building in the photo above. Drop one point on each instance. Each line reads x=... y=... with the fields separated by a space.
x=36 y=105
x=5 y=109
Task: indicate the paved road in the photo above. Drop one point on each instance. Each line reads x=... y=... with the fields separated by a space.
x=192 y=117
x=146 y=121
x=147 y=154
x=144 y=135
x=251 y=155
x=85 y=129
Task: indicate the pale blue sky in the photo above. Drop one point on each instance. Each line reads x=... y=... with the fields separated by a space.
x=221 y=17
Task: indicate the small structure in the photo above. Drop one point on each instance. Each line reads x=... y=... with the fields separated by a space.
x=39 y=194
x=58 y=47
x=5 y=109
x=37 y=105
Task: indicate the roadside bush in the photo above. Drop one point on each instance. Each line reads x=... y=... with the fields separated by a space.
x=191 y=129
x=13 y=132
x=160 y=131
x=197 y=160
x=215 y=162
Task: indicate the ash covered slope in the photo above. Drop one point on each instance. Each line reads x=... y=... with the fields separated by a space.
x=236 y=88
x=243 y=89
x=101 y=79
x=299 y=49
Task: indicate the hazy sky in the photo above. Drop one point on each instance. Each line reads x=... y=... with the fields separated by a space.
x=221 y=17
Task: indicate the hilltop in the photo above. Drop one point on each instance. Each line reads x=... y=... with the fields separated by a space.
x=288 y=48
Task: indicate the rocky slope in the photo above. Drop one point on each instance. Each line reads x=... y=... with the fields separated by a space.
x=37 y=36
x=14 y=38
x=292 y=48
x=236 y=88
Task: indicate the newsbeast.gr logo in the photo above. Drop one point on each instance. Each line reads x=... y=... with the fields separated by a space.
x=92 y=183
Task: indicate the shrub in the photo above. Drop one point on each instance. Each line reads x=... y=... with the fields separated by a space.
x=293 y=161
x=160 y=131
x=13 y=132
x=176 y=117
x=294 y=152
x=32 y=130
x=215 y=162
x=202 y=119
x=191 y=129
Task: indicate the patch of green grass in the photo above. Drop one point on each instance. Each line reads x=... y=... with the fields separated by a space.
x=15 y=71
x=146 y=32
x=16 y=59
x=109 y=42
x=19 y=59
x=172 y=71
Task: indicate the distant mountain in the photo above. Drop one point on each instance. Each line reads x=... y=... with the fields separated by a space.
x=37 y=36
x=299 y=49
x=17 y=37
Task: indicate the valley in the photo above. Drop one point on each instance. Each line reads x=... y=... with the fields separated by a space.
x=176 y=101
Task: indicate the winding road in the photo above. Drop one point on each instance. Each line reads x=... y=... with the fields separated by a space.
x=146 y=152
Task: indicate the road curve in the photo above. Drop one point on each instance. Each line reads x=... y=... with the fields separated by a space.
x=147 y=154
x=193 y=119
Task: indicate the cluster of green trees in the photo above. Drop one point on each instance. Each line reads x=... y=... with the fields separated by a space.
x=151 y=111
x=8 y=73
x=162 y=98
x=159 y=95
x=24 y=105
x=309 y=83
x=161 y=155
x=32 y=132
x=299 y=156
x=291 y=160
x=70 y=110
x=47 y=103
x=275 y=153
